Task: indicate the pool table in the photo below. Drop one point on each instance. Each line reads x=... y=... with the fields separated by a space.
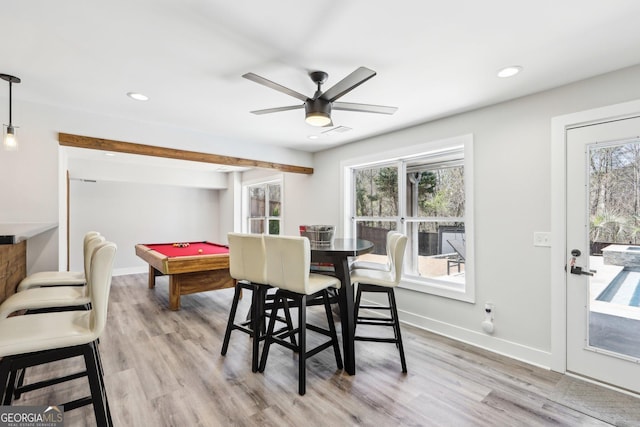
x=191 y=266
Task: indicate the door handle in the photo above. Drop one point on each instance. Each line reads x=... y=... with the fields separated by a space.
x=574 y=268
x=578 y=270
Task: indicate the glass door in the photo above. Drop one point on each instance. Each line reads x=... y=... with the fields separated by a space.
x=603 y=259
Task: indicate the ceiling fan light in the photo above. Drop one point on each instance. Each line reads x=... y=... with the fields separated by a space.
x=318 y=118
x=317 y=112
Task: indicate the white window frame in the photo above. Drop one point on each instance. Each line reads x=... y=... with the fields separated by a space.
x=246 y=201
x=420 y=284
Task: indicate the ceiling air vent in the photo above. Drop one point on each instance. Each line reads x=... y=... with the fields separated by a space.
x=337 y=129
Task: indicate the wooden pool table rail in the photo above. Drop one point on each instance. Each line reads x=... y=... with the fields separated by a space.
x=188 y=274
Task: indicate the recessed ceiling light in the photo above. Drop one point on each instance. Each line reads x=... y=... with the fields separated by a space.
x=110 y=154
x=137 y=96
x=313 y=137
x=510 y=71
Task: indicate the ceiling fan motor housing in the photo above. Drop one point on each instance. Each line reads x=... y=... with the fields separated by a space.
x=317 y=107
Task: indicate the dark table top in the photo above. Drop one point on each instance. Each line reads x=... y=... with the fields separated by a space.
x=342 y=248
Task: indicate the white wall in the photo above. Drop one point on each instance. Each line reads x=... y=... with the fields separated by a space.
x=512 y=200
x=131 y=213
x=230 y=207
x=131 y=172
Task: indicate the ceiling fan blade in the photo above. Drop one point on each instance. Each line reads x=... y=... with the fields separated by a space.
x=277 y=109
x=273 y=85
x=364 y=108
x=347 y=84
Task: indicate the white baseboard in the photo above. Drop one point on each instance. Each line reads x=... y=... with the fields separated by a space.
x=510 y=349
x=497 y=345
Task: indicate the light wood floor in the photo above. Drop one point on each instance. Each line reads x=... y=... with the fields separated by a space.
x=164 y=368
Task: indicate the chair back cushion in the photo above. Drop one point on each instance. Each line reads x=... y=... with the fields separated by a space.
x=247 y=257
x=100 y=282
x=89 y=247
x=88 y=236
x=392 y=236
x=288 y=262
x=397 y=256
x=389 y=278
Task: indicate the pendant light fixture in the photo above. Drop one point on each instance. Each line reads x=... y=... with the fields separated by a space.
x=10 y=142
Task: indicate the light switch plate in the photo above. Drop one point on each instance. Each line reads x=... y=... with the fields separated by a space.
x=542 y=238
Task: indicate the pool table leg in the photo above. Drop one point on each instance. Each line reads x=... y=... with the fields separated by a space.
x=152 y=277
x=174 y=292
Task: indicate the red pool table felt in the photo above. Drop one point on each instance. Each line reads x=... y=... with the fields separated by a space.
x=189 y=271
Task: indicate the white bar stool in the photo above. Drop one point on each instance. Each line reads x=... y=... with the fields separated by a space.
x=37 y=339
x=288 y=262
x=382 y=282
x=392 y=236
x=58 y=278
x=54 y=297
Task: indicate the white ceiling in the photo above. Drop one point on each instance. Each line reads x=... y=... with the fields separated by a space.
x=433 y=58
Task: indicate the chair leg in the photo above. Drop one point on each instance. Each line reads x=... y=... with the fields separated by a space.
x=357 y=307
x=288 y=321
x=257 y=323
x=269 y=336
x=332 y=329
x=396 y=328
x=302 y=341
x=232 y=317
x=393 y=315
x=11 y=387
x=19 y=382
x=392 y=321
x=5 y=373
x=96 y=351
x=96 y=384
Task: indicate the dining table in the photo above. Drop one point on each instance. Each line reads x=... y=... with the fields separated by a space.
x=337 y=252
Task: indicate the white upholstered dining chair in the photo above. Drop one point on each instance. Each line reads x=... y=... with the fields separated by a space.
x=248 y=267
x=381 y=281
x=288 y=262
x=392 y=236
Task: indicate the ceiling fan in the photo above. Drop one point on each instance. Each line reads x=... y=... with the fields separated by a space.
x=318 y=107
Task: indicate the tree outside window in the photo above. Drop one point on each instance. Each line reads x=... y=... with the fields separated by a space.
x=614 y=195
x=265 y=205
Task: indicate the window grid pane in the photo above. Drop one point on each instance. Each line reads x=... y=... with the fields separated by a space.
x=376 y=191
x=432 y=215
x=256 y=225
x=257 y=201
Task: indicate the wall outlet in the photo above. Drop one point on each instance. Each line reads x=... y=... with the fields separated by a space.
x=542 y=238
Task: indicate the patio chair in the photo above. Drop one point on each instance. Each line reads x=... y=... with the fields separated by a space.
x=461 y=254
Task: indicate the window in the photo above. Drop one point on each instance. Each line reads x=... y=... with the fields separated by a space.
x=264 y=208
x=430 y=204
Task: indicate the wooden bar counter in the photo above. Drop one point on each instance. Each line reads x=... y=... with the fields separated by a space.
x=13 y=253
